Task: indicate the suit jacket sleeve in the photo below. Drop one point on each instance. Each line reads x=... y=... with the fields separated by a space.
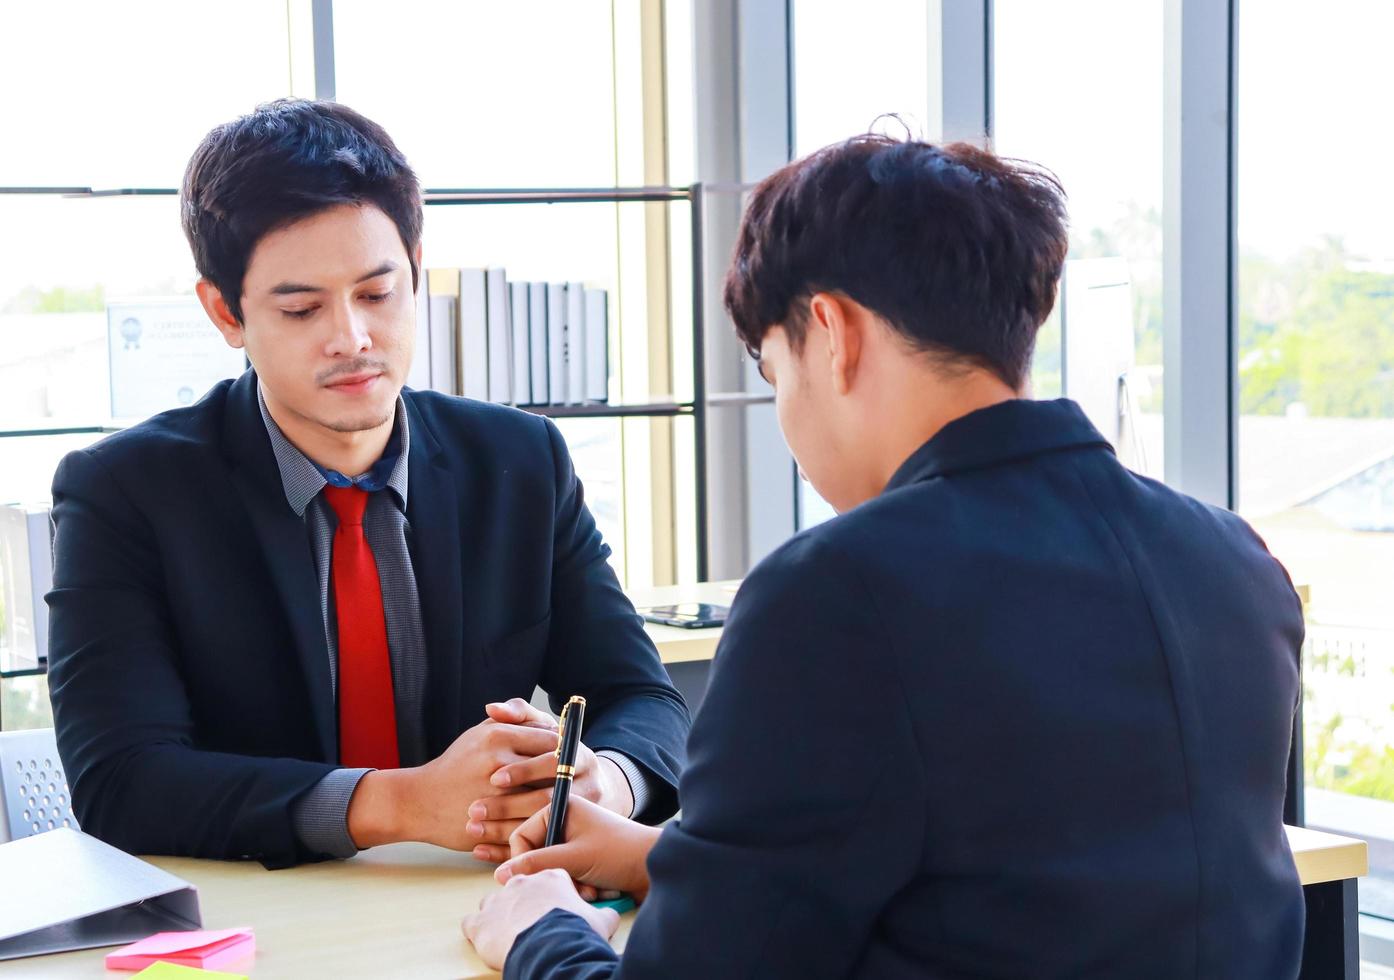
x=124 y=724
x=803 y=803
x=597 y=648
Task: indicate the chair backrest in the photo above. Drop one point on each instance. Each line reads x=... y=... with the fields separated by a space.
x=32 y=785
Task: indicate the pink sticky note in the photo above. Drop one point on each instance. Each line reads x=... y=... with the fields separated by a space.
x=203 y=949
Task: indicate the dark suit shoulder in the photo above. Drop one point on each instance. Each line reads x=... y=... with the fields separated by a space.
x=1172 y=504
x=804 y=557
x=173 y=440
x=464 y=422
x=455 y=410
x=1158 y=511
x=1216 y=536
x=813 y=580
x=846 y=551
x=878 y=532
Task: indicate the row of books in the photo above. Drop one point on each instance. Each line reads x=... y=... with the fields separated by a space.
x=481 y=335
x=26 y=576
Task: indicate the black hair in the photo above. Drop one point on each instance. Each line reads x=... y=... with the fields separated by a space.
x=282 y=162
x=959 y=250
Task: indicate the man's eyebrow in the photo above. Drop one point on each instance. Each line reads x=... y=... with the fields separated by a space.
x=382 y=270
x=288 y=288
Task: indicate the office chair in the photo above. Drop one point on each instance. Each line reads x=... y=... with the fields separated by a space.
x=33 y=785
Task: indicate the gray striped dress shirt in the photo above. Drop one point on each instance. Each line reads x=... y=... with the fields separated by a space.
x=321 y=814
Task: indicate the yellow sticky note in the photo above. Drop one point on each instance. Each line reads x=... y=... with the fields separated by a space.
x=171 y=971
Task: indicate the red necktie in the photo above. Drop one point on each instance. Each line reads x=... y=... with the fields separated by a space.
x=367 y=714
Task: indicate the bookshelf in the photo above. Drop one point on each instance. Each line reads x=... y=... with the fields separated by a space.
x=696 y=409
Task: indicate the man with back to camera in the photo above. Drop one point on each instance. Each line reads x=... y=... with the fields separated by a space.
x=1033 y=711
x=304 y=616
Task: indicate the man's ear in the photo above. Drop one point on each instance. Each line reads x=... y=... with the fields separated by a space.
x=217 y=309
x=840 y=325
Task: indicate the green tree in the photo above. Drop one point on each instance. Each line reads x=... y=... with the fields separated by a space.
x=1316 y=330
x=60 y=299
x=1371 y=773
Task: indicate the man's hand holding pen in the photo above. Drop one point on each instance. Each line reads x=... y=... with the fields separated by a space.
x=602 y=850
x=571 y=842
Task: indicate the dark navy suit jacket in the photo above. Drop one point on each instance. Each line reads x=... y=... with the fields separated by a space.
x=1026 y=714
x=188 y=665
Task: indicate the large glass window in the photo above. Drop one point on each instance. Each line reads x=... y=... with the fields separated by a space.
x=473 y=93
x=1316 y=384
x=431 y=74
x=106 y=101
x=1080 y=92
x=111 y=115
x=24 y=703
x=118 y=95
x=851 y=73
x=63 y=264
x=849 y=70
x=127 y=115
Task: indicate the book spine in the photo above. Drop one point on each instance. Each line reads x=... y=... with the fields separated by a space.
x=537 y=333
x=520 y=344
x=500 y=370
x=21 y=644
x=419 y=377
x=473 y=339
x=597 y=346
x=443 y=332
x=556 y=343
x=575 y=343
x=40 y=576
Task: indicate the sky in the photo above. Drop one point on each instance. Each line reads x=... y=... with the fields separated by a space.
x=1078 y=88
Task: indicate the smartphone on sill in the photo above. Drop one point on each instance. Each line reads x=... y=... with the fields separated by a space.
x=687 y=615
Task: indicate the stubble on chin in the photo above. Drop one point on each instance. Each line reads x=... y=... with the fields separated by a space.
x=361 y=424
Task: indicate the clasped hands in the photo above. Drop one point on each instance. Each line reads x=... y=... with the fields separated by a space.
x=482 y=788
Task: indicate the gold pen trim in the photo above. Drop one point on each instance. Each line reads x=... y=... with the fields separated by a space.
x=566 y=710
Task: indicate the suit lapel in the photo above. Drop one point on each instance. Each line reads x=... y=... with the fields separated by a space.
x=286 y=545
x=433 y=510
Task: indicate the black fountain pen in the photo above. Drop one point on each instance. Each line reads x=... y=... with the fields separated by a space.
x=568 y=741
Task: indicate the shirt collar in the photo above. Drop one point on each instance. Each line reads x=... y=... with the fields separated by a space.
x=1002 y=433
x=303 y=479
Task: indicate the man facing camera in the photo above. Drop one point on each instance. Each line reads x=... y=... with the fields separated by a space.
x=1017 y=712
x=304 y=616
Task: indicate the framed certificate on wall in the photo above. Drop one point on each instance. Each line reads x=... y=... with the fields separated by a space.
x=164 y=353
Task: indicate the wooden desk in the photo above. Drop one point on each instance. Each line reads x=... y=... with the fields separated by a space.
x=1321 y=857
x=1328 y=865
x=392 y=911
x=675 y=645
x=395 y=911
